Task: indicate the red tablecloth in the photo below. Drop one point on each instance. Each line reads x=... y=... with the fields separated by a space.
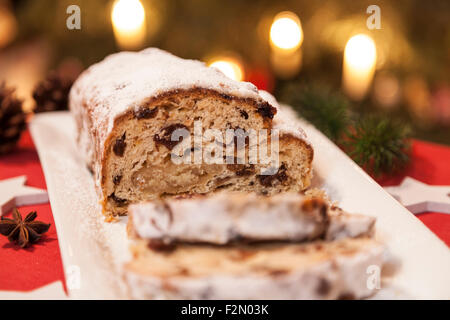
x=27 y=269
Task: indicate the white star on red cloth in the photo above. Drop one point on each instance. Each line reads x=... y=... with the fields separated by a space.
x=14 y=193
x=420 y=197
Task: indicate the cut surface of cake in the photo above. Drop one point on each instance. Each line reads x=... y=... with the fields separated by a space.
x=138 y=111
x=319 y=270
x=229 y=217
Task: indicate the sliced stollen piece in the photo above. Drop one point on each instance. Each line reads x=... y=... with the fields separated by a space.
x=231 y=217
x=348 y=225
x=319 y=270
x=133 y=110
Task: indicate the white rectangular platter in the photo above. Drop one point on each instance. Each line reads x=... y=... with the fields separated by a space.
x=93 y=250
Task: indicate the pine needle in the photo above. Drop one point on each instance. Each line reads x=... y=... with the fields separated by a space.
x=380 y=145
x=326 y=110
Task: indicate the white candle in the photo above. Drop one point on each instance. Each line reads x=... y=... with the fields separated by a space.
x=360 y=58
x=286 y=33
x=286 y=37
x=128 y=20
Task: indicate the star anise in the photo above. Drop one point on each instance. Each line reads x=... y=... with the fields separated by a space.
x=23 y=232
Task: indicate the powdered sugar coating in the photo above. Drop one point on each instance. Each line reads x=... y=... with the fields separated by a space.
x=227 y=217
x=125 y=80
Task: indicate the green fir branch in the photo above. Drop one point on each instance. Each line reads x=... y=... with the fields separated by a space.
x=326 y=110
x=378 y=144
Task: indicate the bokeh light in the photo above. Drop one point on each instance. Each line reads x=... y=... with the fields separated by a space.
x=360 y=58
x=360 y=52
x=286 y=31
x=8 y=26
x=128 y=20
x=128 y=14
x=230 y=67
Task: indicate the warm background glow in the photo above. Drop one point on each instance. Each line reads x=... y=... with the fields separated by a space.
x=280 y=47
x=128 y=19
x=8 y=26
x=360 y=52
x=286 y=31
x=360 y=58
x=128 y=14
x=230 y=67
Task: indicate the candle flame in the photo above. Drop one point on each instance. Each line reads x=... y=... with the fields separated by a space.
x=360 y=52
x=128 y=19
x=360 y=57
x=286 y=31
x=230 y=67
x=128 y=14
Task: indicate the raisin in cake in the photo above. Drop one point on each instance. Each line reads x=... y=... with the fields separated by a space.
x=319 y=270
x=128 y=106
x=231 y=217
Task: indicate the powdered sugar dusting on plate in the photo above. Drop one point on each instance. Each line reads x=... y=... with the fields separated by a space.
x=92 y=250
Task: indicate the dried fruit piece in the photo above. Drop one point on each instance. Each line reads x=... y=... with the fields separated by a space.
x=119 y=201
x=145 y=113
x=165 y=137
x=117 y=179
x=266 y=110
x=119 y=146
x=244 y=114
x=267 y=180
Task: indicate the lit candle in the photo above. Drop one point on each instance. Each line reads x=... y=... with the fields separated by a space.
x=229 y=66
x=286 y=32
x=360 y=57
x=128 y=20
x=286 y=37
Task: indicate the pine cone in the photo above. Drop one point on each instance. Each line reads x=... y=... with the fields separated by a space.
x=12 y=118
x=52 y=93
